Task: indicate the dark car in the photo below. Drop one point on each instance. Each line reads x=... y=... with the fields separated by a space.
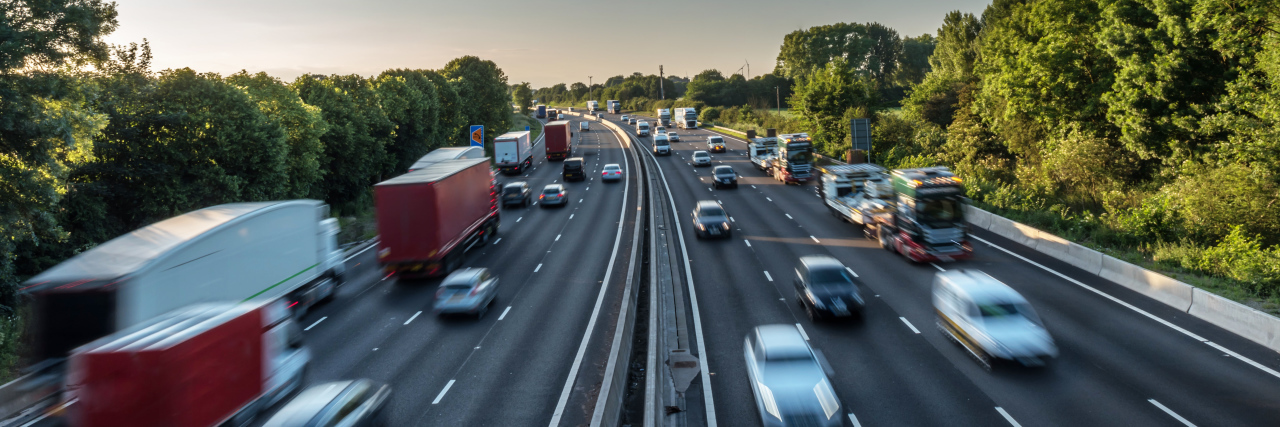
x=573 y=169
x=516 y=193
x=709 y=220
x=358 y=403
x=826 y=288
x=724 y=176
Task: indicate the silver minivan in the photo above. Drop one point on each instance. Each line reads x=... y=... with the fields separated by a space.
x=990 y=320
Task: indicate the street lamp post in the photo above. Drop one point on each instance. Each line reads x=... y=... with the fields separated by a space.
x=589 y=88
x=778 y=99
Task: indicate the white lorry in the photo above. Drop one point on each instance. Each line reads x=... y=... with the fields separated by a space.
x=592 y=106
x=762 y=151
x=614 y=106
x=664 y=116
x=686 y=118
x=856 y=193
x=241 y=252
x=512 y=152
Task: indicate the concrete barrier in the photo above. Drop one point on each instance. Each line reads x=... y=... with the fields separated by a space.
x=1053 y=246
x=1084 y=258
x=978 y=217
x=1154 y=285
x=1241 y=319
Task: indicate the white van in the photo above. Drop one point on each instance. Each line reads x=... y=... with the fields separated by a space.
x=583 y=126
x=661 y=146
x=642 y=128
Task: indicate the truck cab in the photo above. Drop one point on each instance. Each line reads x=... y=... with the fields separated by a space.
x=794 y=162
x=928 y=222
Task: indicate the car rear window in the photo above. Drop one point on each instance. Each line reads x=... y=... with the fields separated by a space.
x=612 y=168
x=711 y=211
x=514 y=189
x=550 y=190
x=573 y=164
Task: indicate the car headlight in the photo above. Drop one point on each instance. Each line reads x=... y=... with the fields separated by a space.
x=770 y=405
x=725 y=225
x=701 y=227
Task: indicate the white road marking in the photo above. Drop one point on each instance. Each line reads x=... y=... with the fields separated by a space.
x=1007 y=417
x=317 y=323
x=415 y=316
x=748 y=242
x=909 y=325
x=570 y=216
x=788 y=216
x=358 y=253
x=850 y=270
x=854 y=420
x=1171 y=413
x=753 y=186
x=801 y=329
x=766 y=198
x=732 y=220
x=815 y=239
x=937 y=267
x=579 y=200
x=496 y=241
x=539 y=267
x=767 y=276
x=504 y=313
x=442 y=392
x=708 y=188
x=518 y=219
x=557 y=237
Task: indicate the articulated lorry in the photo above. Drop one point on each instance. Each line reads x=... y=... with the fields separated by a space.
x=542 y=112
x=558 y=140
x=243 y=252
x=664 y=116
x=794 y=162
x=512 y=152
x=927 y=220
x=201 y=366
x=593 y=106
x=428 y=219
x=856 y=193
x=686 y=118
x=614 y=106
x=447 y=153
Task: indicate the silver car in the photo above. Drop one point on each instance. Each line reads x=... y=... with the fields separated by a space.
x=990 y=320
x=611 y=172
x=674 y=137
x=701 y=158
x=789 y=379
x=359 y=403
x=553 y=195
x=467 y=291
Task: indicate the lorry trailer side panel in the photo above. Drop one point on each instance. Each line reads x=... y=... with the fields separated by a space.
x=422 y=222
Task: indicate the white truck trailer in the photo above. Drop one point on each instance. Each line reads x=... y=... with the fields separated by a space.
x=512 y=152
x=856 y=193
x=240 y=252
x=664 y=116
x=686 y=118
x=762 y=151
x=614 y=106
x=593 y=106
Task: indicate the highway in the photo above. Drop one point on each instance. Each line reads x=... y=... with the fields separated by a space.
x=1125 y=359
x=510 y=367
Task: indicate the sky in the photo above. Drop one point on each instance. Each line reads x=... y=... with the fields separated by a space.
x=540 y=42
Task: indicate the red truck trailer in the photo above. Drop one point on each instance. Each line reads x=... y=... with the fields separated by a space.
x=558 y=140
x=427 y=219
x=199 y=366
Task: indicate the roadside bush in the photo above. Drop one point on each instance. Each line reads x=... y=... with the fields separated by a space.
x=1237 y=256
x=709 y=114
x=1213 y=201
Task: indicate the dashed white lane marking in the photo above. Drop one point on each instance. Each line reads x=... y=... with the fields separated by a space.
x=850 y=270
x=732 y=220
x=317 y=323
x=748 y=243
x=854 y=420
x=937 y=267
x=496 y=241
x=504 y=313
x=1007 y=417
x=909 y=325
x=1171 y=413
x=579 y=200
x=557 y=237
x=570 y=216
x=442 y=392
x=767 y=276
x=801 y=329
x=539 y=267
x=788 y=216
x=815 y=240
x=415 y=316
x=766 y=198
x=518 y=219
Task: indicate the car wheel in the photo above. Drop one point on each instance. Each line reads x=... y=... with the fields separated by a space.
x=811 y=312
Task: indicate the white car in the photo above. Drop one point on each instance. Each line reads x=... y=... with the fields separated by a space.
x=624 y=117
x=990 y=320
x=673 y=137
x=583 y=126
x=701 y=158
x=612 y=172
x=790 y=380
x=559 y=116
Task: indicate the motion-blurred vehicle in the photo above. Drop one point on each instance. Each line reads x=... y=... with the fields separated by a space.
x=642 y=129
x=661 y=146
x=356 y=403
x=447 y=153
x=231 y=252
x=613 y=106
x=553 y=195
x=467 y=291
x=927 y=222
x=674 y=137
x=660 y=130
x=990 y=320
x=557 y=140
x=715 y=144
x=516 y=193
x=512 y=152
x=428 y=219
x=762 y=151
x=631 y=121
x=724 y=176
x=789 y=379
x=710 y=220
x=857 y=193
x=584 y=126
x=611 y=172
x=701 y=158
x=825 y=288
x=794 y=162
x=624 y=117
x=201 y=365
x=573 y=169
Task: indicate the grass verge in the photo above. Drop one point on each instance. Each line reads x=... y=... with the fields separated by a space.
x=519 y=121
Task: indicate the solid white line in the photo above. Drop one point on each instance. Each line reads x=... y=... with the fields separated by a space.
x=801 y=329
x=595 y=312
x=1007 y=417
x=815 y=240
x=317 y=323
x=909 y=325
x=539 y=267
x=1171 y=413
x=788 y=216
x=415 y=316
x=1245 y=359
x=937 y=267
x=358 y=253
x=442 y=392
x=518 y=219
x=496 y=241
x=854 y=420
x=557 y=237
x=851 y=271
x=504 y=313
x=767 y=276
x=748 y=243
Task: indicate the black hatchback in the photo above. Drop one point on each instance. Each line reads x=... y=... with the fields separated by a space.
x=573 y=169
x=826 y=288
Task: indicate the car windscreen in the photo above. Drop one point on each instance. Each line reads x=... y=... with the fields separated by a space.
x=715 y=140
x=701 y=155
x=1008 y=311
x=710 y=211
x=938 y=213
x=830 y=277
x=724 y=171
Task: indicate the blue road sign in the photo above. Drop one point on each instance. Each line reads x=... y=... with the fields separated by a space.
x=477 y=136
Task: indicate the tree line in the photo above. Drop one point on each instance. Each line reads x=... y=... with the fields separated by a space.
x=94 y=144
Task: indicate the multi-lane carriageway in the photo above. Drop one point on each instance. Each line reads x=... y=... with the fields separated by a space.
x=538 y=357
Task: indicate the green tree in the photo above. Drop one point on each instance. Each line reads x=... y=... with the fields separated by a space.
x=303 y=125
x=355 y=154
x=410 y=102
x=950 y=70
x=913 y=64
x=827 y=98
x=482 y=87
x=451 y=128
x=523 y=96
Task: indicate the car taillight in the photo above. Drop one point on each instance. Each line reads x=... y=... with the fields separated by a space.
x=541 y=196
x=474 y=291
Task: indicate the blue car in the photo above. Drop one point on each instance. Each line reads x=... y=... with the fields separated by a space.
x=467 y=291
